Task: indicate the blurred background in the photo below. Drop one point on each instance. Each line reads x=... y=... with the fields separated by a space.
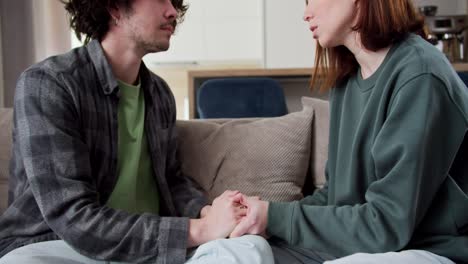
x=217 y=35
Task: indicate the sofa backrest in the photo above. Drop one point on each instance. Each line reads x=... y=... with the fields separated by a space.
x=319 y=147
x=6 y=116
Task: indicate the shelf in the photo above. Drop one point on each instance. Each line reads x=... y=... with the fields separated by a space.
x=197 y=77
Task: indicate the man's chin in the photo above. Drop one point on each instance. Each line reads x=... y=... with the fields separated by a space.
x=157 y=48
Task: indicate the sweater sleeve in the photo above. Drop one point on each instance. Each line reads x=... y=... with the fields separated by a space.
x=320 y=196
x=412 y=154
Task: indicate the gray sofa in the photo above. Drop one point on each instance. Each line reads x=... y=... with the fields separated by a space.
x=272 y=157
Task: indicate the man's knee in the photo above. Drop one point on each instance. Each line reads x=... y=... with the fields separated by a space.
x=255 y=248
x=257 y=242
x=246 y=249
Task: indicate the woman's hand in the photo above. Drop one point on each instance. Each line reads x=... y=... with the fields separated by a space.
x=256 y=220
x=217 y=221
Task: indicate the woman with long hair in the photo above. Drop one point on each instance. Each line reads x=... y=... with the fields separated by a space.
x=397 y=179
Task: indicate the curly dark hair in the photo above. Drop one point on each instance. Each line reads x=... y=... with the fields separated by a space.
x=91 y=17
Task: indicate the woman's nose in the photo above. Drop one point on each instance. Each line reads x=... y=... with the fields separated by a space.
x=307 y=12
x=307 y=16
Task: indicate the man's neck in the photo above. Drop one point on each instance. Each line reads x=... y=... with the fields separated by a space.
x=123 y=57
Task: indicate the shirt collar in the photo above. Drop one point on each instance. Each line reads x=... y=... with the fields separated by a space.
x=104 y=72
x=101 y=65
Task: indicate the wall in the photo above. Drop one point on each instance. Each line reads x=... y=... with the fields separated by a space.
x=288 y=41
x=51 y=29
x=31 y=31
x=2 y=102
x=17 y=40
x=216 y=31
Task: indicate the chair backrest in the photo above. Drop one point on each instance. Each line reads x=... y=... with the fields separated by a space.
x=241 y=98
x=464 y=77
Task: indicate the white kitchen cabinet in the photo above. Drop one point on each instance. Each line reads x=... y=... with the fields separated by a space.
x=216 y=31
x=446 y=7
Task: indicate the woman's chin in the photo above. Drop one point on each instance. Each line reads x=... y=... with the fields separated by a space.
x=327 y=44
x=322 y=43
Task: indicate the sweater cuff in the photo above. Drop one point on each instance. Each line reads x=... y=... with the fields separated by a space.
x=279 y=220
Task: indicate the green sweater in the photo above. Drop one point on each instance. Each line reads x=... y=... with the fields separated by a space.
x=396 y=174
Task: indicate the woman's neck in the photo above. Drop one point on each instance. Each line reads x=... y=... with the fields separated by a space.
x=369 y=61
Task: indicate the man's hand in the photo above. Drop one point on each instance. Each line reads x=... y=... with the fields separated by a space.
x=204 y=211
x=217 y=221
x=256 y=220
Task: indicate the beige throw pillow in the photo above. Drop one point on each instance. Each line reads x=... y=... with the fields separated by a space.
x=6 y=122
x=266 y=157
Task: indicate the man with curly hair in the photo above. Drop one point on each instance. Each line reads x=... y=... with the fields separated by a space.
x=94 y=174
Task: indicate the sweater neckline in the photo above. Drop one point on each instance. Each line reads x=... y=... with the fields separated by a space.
x=369 y=83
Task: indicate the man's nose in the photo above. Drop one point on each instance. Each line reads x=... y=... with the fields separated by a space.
x=171 y=12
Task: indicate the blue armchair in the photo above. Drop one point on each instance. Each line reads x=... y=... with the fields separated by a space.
x=464 y=77
x=241 y=98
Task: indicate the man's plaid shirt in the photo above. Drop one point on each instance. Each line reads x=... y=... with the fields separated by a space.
x=64 y=164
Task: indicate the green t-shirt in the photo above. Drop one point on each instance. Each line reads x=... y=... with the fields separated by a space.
x=396 y=171
x=136 y=190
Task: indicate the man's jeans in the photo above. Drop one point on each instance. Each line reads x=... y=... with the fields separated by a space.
x=246 y=249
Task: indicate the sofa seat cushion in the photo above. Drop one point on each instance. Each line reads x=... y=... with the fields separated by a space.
x=6 y=116
x=267 y=157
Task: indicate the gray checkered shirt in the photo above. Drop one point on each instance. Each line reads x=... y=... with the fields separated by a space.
x=64 y=164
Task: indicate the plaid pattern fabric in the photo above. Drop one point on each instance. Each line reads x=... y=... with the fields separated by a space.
x=64 y=161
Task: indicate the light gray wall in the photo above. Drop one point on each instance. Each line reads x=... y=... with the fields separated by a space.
x=17 y=40
x=1 y=66
x=31 y=31
x=52 y=33
x=288 y=42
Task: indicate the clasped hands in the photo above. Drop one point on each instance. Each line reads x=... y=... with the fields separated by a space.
x=233 y=214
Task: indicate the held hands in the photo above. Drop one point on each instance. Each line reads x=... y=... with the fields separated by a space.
x=231 y=214
x=217 y=220
x=255 y=222
x=224 y=214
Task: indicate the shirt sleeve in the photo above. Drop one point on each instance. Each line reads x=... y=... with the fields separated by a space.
x=58 y=168
x=412 y=155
